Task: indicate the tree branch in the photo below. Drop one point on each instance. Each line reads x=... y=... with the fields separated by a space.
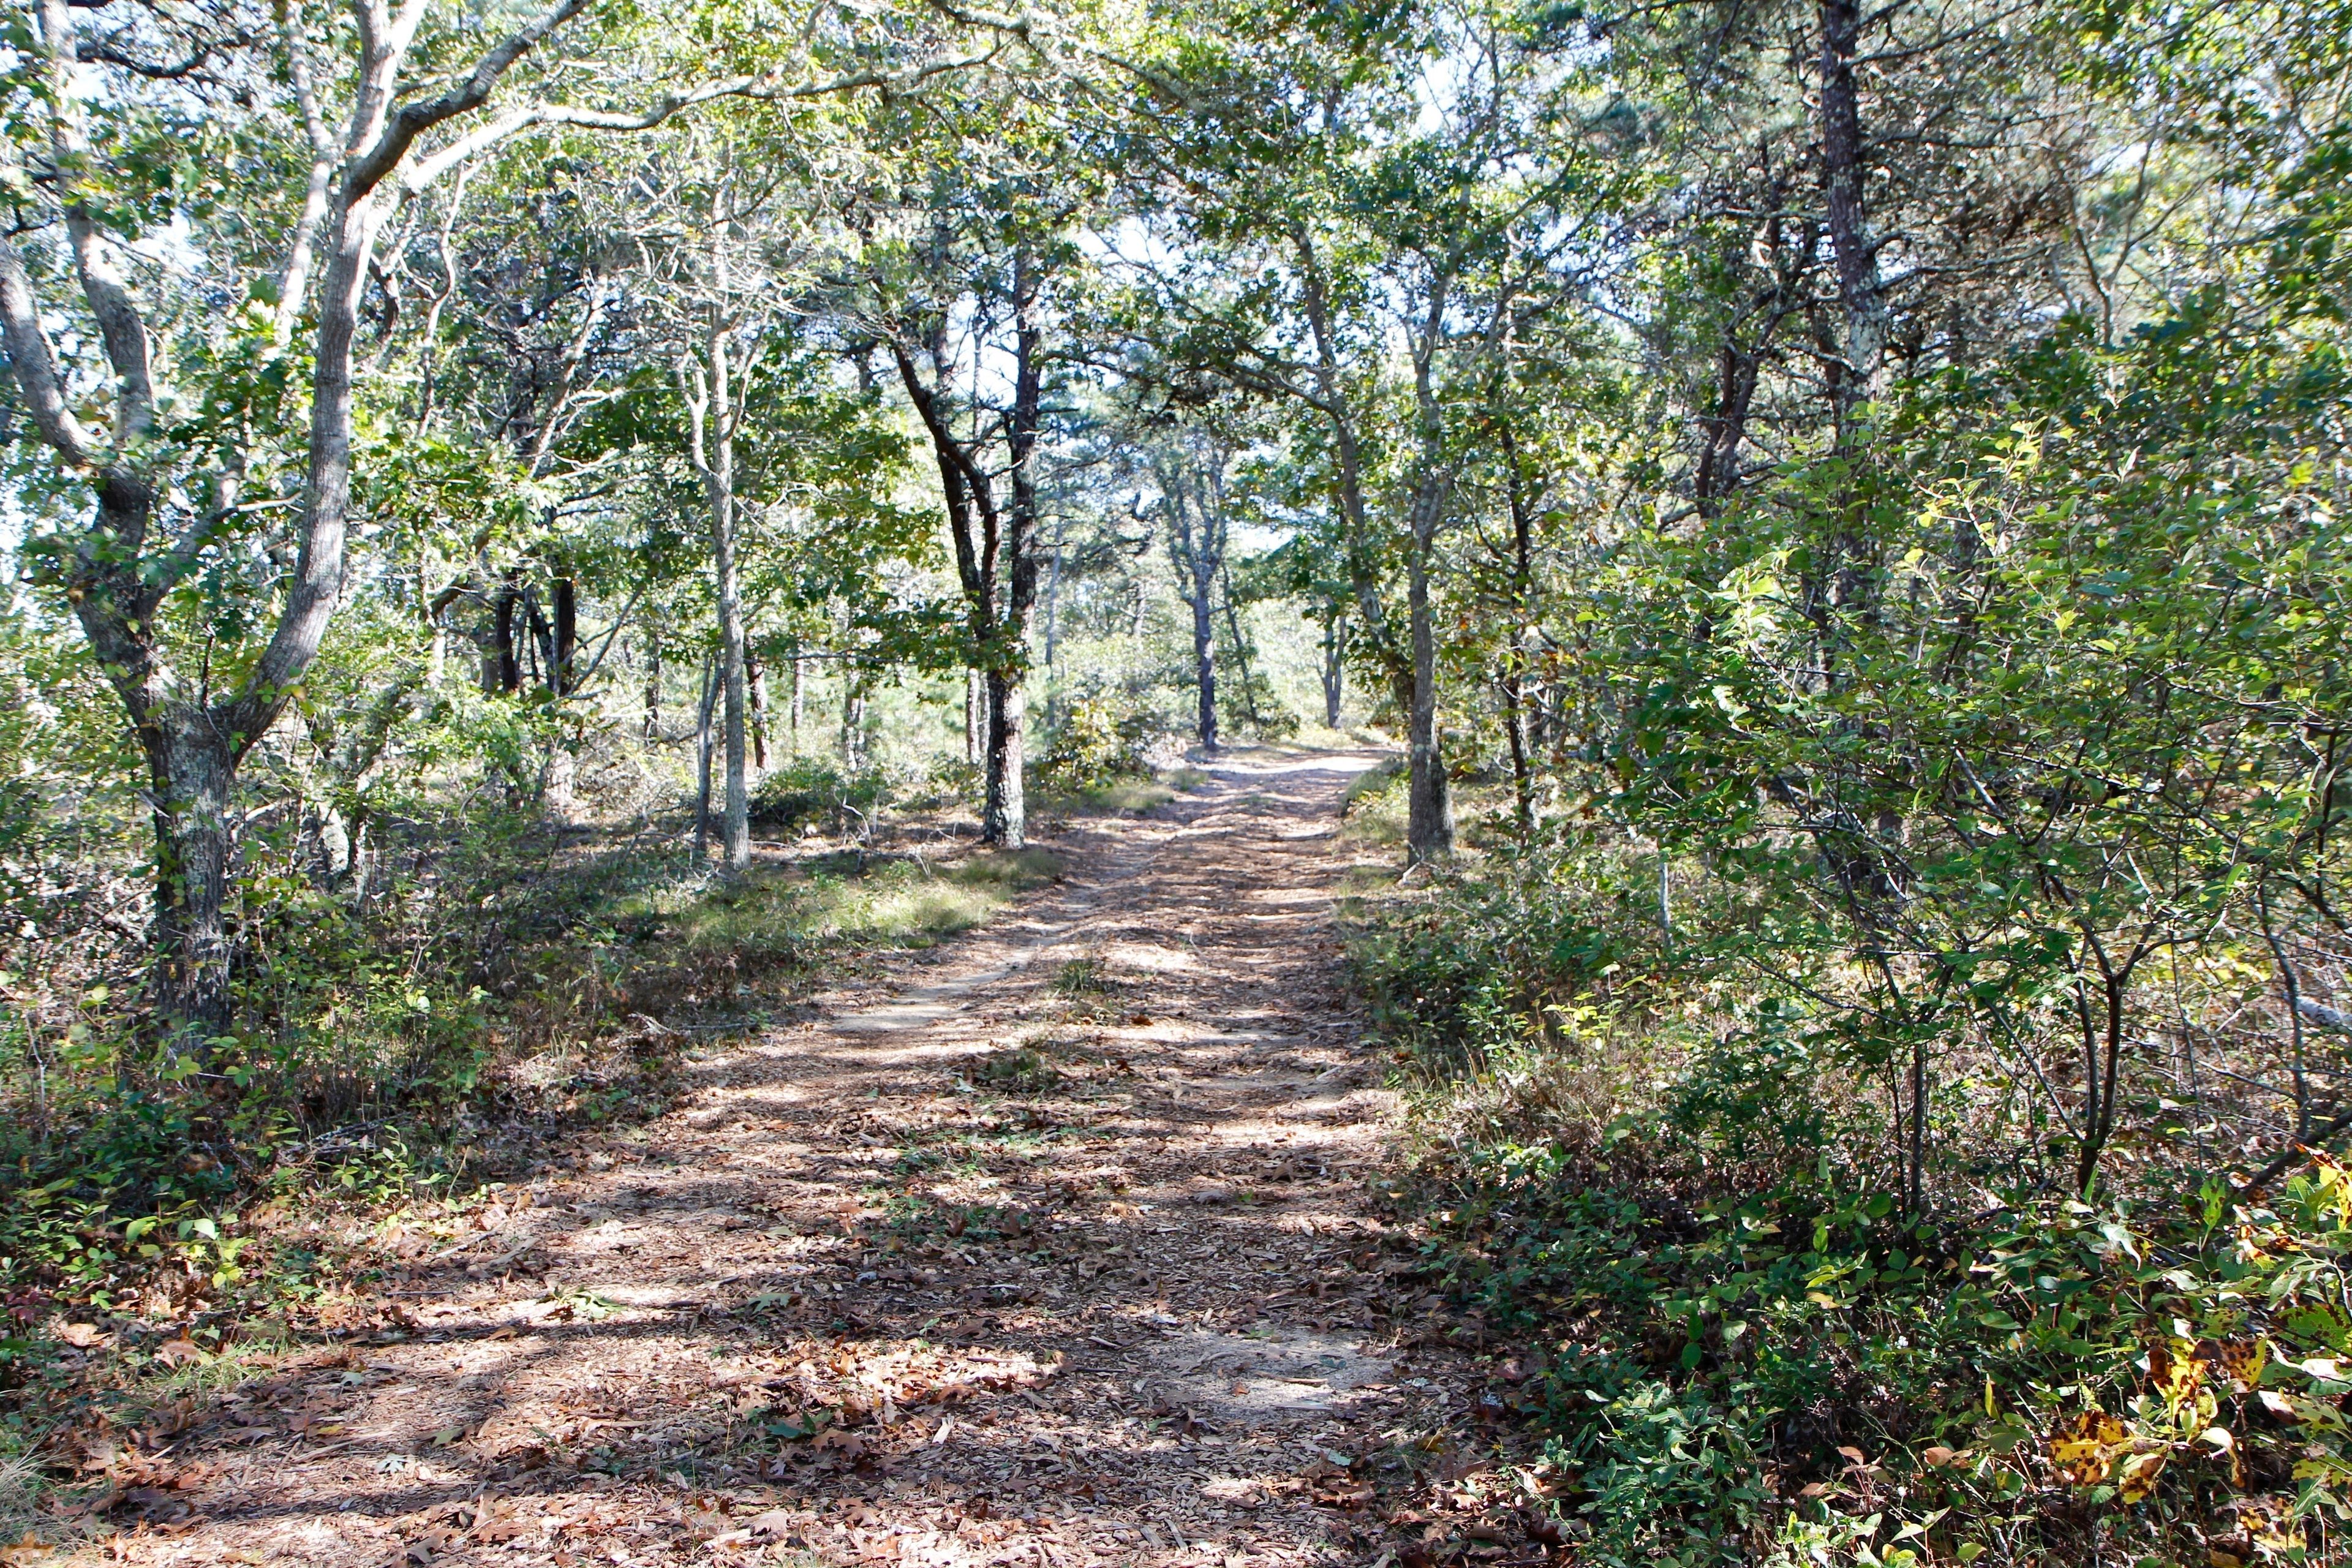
x=765 y=89
x=410 y=120
x=30 y=356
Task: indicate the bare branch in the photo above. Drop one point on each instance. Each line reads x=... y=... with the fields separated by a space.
x=120 y=326
x=768 y=88
x=30 y=356
x=1033 y=35
x=410 y=120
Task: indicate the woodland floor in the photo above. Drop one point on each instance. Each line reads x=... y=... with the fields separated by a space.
x=1137 y=1308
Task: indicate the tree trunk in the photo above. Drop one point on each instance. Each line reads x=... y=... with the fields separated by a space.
x=798 y=699
x=1005 y=820
x=996 y=563
x=702 y=757
x=562 y=651
x=712 y=415
x=852 y=725
x=975 y=716
x=1335 y=667
x=1515 y=734
x=652 y=687
x=1195 y=558
x=1429 y=815
x=562 y=667
x=1515 y=660
x=737 y=847
x=502 y=615
x=193 y=771
x=758 y=674
x=1843 y=159
x=1204 y=661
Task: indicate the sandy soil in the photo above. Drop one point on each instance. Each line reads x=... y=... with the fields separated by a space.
x=1055 y=1247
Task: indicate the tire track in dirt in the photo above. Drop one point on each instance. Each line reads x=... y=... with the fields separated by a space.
x=1052 y=1248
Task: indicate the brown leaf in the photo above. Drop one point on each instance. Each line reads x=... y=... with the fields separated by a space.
x=849 y=1444
x=773 y=1525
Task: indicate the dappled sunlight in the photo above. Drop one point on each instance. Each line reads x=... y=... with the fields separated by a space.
x=1052 y=1245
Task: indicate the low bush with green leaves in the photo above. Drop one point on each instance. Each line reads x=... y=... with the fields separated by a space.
x=1681 y=1214
x=816 y=792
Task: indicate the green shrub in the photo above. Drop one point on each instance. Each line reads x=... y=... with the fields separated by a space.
x=1724 y=1379
x=1682 y=1205
x=1088 y=750
x=810 y=791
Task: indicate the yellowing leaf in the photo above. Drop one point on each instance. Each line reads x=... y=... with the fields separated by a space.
x=2241 y=1362
x=2137 y=1480
x=2177 y=1372
x=2083 y=1447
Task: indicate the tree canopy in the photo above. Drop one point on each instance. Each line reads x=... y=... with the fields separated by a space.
x=1837 y=510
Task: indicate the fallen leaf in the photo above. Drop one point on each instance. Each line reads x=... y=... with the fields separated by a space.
x=178 y=1352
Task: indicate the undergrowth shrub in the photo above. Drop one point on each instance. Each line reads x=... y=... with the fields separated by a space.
x=1677 y=1202
x=1095 y=744
x=816 y=792
x=502 y=981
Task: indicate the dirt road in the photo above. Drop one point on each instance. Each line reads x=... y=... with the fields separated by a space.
x=1053 y=1249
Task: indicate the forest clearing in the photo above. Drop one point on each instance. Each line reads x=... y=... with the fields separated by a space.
x=1393 y=782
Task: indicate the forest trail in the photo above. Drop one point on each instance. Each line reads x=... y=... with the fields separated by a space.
x=1118 y=1301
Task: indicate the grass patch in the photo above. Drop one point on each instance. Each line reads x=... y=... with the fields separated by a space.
x=1014 y=870
x=833 y=900
x=1121 y=795
x=1023 y=1070
x=1372 y=810
x=1081 y=977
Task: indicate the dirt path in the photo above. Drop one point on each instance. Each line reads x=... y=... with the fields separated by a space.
x=1053 y=1250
